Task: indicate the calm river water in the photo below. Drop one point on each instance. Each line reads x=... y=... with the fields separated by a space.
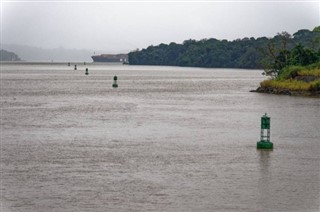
x=167 y=139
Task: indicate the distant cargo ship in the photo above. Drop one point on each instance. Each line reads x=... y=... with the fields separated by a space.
x=111 y=58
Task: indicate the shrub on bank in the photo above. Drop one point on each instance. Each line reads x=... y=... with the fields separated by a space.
x=290 y=72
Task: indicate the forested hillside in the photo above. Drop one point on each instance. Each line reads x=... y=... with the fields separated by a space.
x=8 y=56
x=241 y=53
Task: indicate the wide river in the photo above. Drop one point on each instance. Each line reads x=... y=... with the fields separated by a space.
x=167 y=139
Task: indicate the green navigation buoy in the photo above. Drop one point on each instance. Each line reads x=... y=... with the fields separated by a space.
x=264 y=142
x=115 y=85
x=75 y=67
x=87 y=71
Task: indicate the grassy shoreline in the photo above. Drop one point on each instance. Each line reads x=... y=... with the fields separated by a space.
x=294 y=80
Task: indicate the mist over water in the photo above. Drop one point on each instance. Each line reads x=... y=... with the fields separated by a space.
x=34 y=54
x=167 y=139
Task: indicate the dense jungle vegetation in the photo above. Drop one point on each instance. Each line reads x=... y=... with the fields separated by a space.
x=271 y=54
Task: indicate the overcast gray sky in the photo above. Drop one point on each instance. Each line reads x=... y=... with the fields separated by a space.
x=124 y=26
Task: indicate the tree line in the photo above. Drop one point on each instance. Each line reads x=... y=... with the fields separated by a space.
x=251 y=53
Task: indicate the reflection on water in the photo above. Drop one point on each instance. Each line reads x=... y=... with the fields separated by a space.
x=167 y=139
x=265 y=178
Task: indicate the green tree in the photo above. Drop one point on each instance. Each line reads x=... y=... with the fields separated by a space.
x=316 y=29
x=272 y=54
x=302 y=56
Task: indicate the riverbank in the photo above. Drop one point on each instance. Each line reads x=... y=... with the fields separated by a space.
x=272 y=90
x=294 y=80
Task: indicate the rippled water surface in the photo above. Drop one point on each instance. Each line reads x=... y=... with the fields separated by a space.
x=167 y=139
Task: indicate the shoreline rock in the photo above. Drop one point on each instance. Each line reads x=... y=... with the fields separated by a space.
x=279 y=91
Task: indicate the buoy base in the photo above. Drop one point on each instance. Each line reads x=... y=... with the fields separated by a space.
x=114 y=85
x=264 y=145
x=87 y=73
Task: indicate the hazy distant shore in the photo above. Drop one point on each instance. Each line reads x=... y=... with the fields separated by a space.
x=56 y=62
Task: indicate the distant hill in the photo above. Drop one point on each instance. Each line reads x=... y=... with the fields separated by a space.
x=8 y=56
x=30 y=53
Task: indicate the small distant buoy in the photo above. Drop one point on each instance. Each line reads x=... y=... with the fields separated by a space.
x=68 y=64
x=87 y=71
x=264 y=142
x=115 y=85
x=84 y=63
x=75 y=67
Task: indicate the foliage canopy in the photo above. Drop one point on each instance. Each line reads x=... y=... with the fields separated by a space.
x=271 y=54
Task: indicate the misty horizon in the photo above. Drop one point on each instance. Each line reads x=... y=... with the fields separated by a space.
x=118 y=26
x=60 y=29
x=35 y=53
